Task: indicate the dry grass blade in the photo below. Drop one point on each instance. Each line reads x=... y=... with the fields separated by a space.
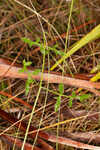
x=18 y=142
x=22 y=126
x=67 y=141
x=42 y=108
x=85 y=137
x=16 y=99
x=52 y=138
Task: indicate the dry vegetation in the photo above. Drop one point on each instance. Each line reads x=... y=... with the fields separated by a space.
x=76 y=124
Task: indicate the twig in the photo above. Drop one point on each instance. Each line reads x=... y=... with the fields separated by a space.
x=13 y=72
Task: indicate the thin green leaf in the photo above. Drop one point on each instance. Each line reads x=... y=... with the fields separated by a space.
x=58 y=52
x=27 y=41
x=29 y=81
x=70 y=102
x=95 y=69
x=43 y=50
x=96 y=77
x=73 y=96
x=61 y=88
x=83 y=97
x=26 y=64
x=93 y=35
x=21 y=70
x=36 y=71
x=58 y=102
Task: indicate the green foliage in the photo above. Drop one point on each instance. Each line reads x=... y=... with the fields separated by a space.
x=3 y=85
x=73 y=96
x=25 y=65
x=36 y=71
x=43 y=49
x=58 y=102
x=81 y=98
x=61 y=88
x=28 y=41
x=29 y=81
